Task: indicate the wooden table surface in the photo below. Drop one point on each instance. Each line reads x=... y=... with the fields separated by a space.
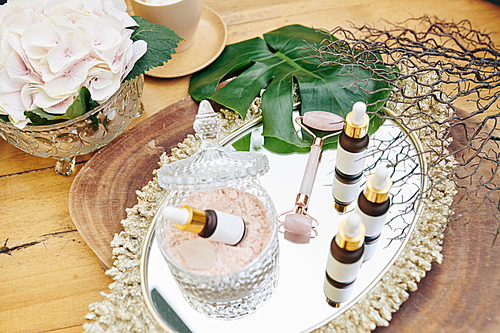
x=49 y=276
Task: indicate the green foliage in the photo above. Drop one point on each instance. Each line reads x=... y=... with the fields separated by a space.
x=161 y=44
x=275 y=63
x=243 y=144
x=82 y=104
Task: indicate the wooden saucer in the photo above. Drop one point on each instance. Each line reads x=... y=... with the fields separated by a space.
x=210 y=40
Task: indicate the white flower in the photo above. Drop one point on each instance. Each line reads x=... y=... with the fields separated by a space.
x=39 y=38
x=67 y=53
x=72 y=9
x=115 y=8
x=102 y=85
x=50 y=49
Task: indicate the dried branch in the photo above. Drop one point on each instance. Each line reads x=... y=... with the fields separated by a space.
x=429 y=62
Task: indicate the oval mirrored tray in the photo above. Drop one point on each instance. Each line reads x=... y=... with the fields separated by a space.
x=298 y=304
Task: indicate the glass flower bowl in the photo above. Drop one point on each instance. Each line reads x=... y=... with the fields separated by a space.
x=82 y=135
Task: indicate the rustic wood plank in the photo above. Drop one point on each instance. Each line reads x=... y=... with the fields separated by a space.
x=15 y=161
x=49 y=275
x=51 y=315
x=445 y=290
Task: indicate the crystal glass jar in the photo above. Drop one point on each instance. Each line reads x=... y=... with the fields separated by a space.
x=237 y=293
x=81 y=135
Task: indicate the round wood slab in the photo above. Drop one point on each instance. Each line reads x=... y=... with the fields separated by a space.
x=107 y=184
x=463 y=293
x=460 y=295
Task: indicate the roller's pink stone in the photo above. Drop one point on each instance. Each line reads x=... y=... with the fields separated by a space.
x=198 y=253
x=297 y=238
x=298 y=223
x=323 y=121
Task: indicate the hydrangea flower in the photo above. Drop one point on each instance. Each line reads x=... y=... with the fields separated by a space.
x=50 y=49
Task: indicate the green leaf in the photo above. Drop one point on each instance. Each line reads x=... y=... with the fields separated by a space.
x=161 y=44
x=82 y=104
x=375 y=123
x=243 y=144
x=39 y=117
x=95 y=122
x=275 y=63
x=4 y=118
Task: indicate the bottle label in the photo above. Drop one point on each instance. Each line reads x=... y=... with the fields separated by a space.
x=336 y=294
x=345 y=193
x=373 y=224
x=230 y=229
x=340 y=272
x=350 y=163
x=369 y=250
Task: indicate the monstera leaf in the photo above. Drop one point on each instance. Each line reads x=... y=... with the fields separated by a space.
x=275 y=63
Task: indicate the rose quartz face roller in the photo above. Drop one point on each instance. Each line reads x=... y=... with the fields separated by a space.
x=297 y=225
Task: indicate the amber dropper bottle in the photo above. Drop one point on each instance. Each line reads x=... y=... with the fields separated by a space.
x=210 y=224
x=344 y=260
x=350 y=160
x=373 y=206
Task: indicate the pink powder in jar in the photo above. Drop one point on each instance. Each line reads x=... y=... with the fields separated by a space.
x=228 y=258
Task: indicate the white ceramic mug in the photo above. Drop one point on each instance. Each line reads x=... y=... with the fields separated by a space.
x=181 y=16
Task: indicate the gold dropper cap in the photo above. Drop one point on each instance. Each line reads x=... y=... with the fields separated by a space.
x=196 y=221
x=375 y=195
x=350 y=243
x=357 y=131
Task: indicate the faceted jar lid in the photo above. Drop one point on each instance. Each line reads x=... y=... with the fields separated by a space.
x=212 y=166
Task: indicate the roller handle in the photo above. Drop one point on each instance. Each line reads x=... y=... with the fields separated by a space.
x=310 y=171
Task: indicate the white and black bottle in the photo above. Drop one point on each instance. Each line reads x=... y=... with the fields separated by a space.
x=210 y=224
x=350 y=160
x=373 y=206
x=344 y=260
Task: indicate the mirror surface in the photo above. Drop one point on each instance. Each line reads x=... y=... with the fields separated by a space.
x=299 y=304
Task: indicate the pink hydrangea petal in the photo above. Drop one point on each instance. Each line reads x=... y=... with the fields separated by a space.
x=13 y=102
x=67 y=82
x=28 y=94
x=105 y=32
x=10 y=97
x=139 y=48
x=62 y=7
x=16 y=67
x=102 y=81
x=44 y=101
x=103 y=86
x=61 y=107
x=67 y=53
x=18 y=22
x=115 y=8
x=8 y=84
x=52 y=105
x=38 y=39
